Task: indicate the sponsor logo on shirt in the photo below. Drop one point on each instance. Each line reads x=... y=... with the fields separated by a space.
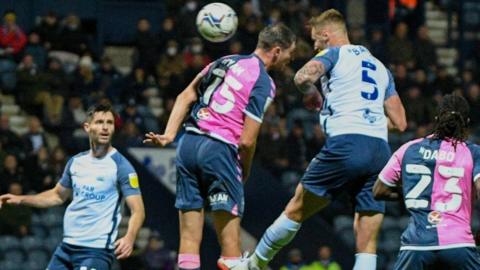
x=434 y=217
x=203 y=113
x=133 y=180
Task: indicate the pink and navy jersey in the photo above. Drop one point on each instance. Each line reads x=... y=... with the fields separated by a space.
x=438 y=189
x=232 y=87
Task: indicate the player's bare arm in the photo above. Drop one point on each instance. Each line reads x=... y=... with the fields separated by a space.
x=124 y=245
x=247 y=145
x=180 y=110
x=52 y=197
x=395 y=113
x=477 y=186
x=384 y=192
x=306 y=76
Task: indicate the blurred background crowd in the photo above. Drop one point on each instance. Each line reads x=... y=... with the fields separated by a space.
x=50 y=75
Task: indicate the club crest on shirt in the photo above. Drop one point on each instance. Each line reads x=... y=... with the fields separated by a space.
x=434 y=217
x=203 y=113
x=133 y=180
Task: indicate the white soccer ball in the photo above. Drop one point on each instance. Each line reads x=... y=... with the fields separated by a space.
x=217 y=22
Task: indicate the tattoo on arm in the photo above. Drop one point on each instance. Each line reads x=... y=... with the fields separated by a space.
x=308 y=75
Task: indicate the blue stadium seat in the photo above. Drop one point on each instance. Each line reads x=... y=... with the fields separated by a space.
x=343 y=222
x=52 y=219
x=9 y=242
x=14 y=255
x=40 y=256
x=39 y=231
x=34 y=265
x=9 y=265
x=389 y=223
x=36 y=219
x=56 y=232
x=31 y=242
x=403 y=222
x=347 y=236
x=51 y=243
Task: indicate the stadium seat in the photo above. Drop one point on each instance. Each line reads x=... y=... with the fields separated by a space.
x=56 y=232
x=51 y=243
x=14 y=255
x=9 y=265
x=34 y=265
x=389 y=223
x=40 y=256
x=343 y=222
x=31 y=242
x=39 y=231
x=347 y=236
x=52 y=219
x=9 y=242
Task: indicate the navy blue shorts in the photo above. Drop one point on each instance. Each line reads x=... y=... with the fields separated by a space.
x=208 y=175
x=71 y=257
x=466 y=258
x=348 y=163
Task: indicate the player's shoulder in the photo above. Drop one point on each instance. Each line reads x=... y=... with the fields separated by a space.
x=119 y=159
x=473 y=147
x=78 y=156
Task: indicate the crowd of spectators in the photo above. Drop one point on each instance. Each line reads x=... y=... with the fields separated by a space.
x=54 y=75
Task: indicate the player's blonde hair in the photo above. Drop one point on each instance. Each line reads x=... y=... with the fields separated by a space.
x=331 y=17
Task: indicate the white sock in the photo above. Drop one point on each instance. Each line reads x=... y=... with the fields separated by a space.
x=365 y=261
x=279 y=234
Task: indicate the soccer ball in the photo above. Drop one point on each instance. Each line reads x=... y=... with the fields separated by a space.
x=217 y=22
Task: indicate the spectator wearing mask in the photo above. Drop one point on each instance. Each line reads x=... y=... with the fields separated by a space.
x=73 y=38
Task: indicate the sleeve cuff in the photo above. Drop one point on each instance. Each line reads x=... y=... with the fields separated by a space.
x=254 y=117
x=385 y=181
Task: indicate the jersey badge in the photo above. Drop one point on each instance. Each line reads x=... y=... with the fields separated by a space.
x=133 y=180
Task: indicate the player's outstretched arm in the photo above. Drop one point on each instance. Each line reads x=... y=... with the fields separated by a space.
x=247 y=145
x=55 y=196
x=384 y=192
x=180 y=110
x=396 y=113
x=306 y=76
x=124 y=245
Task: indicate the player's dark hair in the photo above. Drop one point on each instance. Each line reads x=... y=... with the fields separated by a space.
x=276 y=35
x=452 y=120
x=101 y=107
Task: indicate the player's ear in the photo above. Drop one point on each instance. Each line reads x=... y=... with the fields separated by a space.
x=86 y=126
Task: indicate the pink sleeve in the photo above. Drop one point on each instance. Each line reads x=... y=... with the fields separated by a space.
x=392 y=172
